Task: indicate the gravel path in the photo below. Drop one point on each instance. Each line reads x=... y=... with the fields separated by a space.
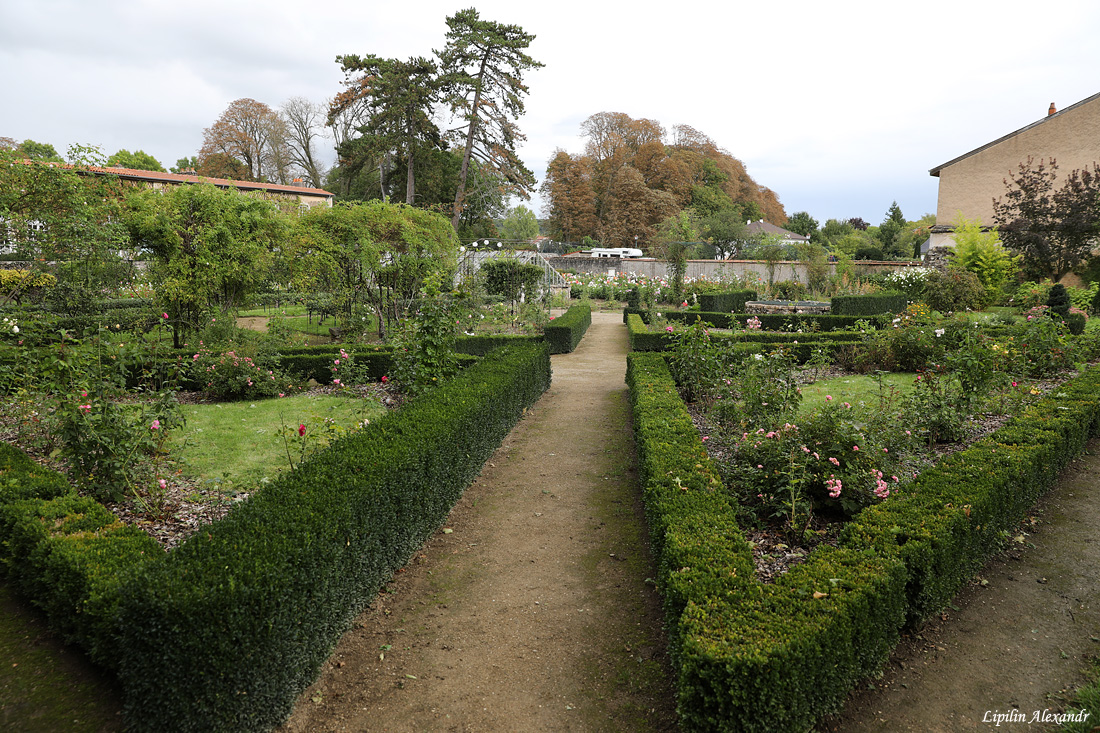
x=530 y=609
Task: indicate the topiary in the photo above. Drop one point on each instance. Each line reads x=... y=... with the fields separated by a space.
x=1058 y=300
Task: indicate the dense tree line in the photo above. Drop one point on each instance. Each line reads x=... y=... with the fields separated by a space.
x=632 y=176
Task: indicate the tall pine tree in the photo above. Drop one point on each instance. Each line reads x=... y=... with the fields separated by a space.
x=482 y=67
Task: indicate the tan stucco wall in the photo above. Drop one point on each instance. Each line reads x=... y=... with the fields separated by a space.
x=1071 y=137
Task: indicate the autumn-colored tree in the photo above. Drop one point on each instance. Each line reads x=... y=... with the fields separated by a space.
x=482 y=65
x=250 y=133
x=571 y=202
x=634 y=211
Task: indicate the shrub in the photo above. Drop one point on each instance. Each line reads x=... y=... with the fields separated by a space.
x=566 y=331
x=230 y=627
x=954 y=290
x=868 y=305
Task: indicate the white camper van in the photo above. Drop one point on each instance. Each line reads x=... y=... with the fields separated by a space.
x=618 y=252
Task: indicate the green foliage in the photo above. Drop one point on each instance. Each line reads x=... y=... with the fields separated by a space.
x=697 y=362
x=70 y=556
x=138 y=160
x=566 y=331
x=672 y=239
x=890 y=229
x=239 y=374
x=954 y=290
x=211 y=248
x=868 y=305
x=229 y=629
x=761 y=390
x=424 y=353
x=510 y=278
x=103 y=438
x=61 y=219
x=1058 y=300
x=520 y=225
x=753 y=657
x=482 y=64
x=395 y=98
x=983 y=254
x=727 y=302
x=802 y=223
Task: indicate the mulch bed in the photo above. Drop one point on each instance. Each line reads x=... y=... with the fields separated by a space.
x=174 y=514
x=773 y=551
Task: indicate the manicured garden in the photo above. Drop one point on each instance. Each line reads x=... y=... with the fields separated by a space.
x=882 y=499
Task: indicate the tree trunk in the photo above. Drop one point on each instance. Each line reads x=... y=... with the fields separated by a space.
x=460 y=194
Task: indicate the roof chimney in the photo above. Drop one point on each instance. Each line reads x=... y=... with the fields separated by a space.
x=1052 y=109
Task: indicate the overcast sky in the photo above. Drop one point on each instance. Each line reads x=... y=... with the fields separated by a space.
x=840 y=107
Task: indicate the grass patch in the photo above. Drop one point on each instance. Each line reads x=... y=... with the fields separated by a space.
x=858 y=389
x=46 y=686
x=235 y=444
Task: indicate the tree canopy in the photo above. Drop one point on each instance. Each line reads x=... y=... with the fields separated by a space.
x=397 y=98
x=483 y=63
x=632 y=176
x=137 y=160
x=245 y=142
x=1052 y=228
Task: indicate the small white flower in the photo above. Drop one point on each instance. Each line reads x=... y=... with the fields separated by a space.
x=939 y=332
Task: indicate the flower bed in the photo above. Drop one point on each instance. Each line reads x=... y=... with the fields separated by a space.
x=224 y=632
x=776 y=657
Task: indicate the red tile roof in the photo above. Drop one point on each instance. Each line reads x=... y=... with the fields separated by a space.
x=133 y=174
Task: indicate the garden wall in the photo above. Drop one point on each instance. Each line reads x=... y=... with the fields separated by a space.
x=712 y=269
x=777 y=657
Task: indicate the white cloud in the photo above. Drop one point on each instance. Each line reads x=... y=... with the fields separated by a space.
x=839 y=107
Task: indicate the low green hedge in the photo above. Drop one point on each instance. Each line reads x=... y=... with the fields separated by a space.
x=566 y=331
x=873 y=304
x=801 y=345
x=70 y=556
x=227 y=630
x=730 y=302
x=806 y=322
x=753 y=657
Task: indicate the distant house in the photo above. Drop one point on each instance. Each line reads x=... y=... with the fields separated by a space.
x=970 y=182
x=755 y=228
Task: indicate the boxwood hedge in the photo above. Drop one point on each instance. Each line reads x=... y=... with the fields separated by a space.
x=566 y=331
x=225 y=632
x=753 y=657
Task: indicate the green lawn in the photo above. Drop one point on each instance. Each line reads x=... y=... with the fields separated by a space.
x=238 y=444
x=855 y=389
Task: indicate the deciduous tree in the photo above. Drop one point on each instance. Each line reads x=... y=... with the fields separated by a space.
x=304 y=126
x=571 y=202
x=137 y=160
x=520 y=225
x=1053 y=228
x=210 y=247
x=250 y=133
x=483 y=63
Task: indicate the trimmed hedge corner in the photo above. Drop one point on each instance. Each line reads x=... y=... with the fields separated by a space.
x=566 y=331
x=226 y=631
x=754 y=657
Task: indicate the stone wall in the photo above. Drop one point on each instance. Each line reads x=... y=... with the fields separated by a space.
x=710 y=269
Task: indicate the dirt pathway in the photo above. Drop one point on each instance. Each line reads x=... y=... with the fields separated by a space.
x=530 y=609
x=1012 y=640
